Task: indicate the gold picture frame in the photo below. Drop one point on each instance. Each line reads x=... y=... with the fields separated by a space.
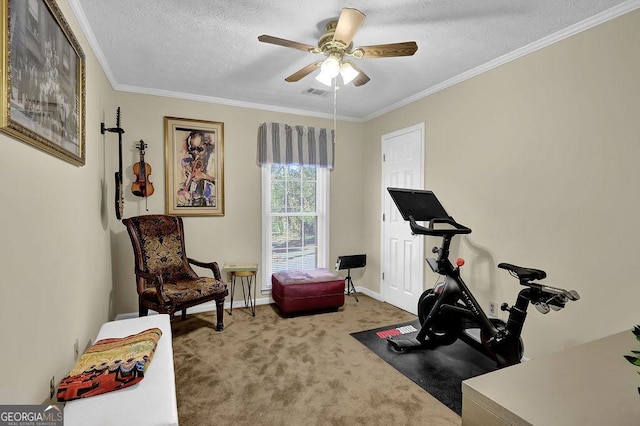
x=43 y=79
x=194 y=167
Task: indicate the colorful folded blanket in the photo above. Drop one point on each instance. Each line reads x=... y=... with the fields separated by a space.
x=110 y=364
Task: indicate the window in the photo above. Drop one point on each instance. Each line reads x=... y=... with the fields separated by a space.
x=295 y=218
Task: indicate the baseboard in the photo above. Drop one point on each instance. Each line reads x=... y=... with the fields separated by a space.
x=205 y=307
x=369 y=293
x=211 y=306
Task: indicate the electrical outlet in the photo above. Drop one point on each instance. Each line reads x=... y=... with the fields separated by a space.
x=493 y=309
x=76 y=350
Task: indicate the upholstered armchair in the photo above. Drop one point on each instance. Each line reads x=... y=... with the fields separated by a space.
x=165 y=280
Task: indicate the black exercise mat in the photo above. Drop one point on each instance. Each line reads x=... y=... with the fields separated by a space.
x=439 y=371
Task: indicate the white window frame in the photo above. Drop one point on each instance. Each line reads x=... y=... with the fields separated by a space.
x=322 y=210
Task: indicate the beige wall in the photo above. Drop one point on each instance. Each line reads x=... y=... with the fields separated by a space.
x=236 y=237
x=534 y=156
x=539 y=157
x=56 y=256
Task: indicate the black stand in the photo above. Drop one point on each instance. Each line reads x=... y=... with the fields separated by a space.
x=118 y=175
x=350 y=286
x=348 y=263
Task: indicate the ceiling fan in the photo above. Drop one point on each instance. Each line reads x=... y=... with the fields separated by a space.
x=336 y=44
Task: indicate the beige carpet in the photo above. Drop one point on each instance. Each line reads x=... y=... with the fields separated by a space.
x=304 y=370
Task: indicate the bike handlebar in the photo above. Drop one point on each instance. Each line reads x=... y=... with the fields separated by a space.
x=442 y=232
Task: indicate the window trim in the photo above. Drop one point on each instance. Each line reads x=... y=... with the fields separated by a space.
x=322 y=206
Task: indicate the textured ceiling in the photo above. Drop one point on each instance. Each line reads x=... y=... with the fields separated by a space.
x=209 y=50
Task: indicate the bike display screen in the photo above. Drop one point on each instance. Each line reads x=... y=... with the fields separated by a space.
x=422 y=204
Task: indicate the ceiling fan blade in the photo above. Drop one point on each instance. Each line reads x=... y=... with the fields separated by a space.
x=361 y=79
x=407 y=48
x=301 y=73
x=349 y=22
x=286 y=43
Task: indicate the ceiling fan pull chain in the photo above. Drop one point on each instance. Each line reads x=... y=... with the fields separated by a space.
x=335 y=110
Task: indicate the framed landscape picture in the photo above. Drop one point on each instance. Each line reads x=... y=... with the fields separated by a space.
x=194 y=162
x=43 y=79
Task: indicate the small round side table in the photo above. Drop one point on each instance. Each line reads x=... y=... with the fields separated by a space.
x=248 y=280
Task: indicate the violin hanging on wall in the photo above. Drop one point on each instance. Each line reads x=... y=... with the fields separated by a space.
x=142 y=187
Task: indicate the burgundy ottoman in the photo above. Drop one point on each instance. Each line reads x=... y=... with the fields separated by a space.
x=310 y=290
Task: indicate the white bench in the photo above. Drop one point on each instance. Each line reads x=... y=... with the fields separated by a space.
x=149 y=402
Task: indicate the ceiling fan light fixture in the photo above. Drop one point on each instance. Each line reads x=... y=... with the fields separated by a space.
x=348 y=73
x=324 y=79
x=329 y=70
x=331 y=66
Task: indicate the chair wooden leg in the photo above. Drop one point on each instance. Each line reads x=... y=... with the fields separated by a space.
x=143 y=311
x=219 y=314
x=184 y=314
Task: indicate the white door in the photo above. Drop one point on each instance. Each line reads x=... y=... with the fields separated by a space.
x=402 y=253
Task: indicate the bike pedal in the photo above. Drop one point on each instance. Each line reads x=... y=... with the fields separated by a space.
x=499 y=338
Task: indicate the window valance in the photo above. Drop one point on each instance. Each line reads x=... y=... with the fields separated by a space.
x=284 y=144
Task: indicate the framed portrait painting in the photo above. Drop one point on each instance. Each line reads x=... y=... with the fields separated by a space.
x=43 y=79
x=194 y=162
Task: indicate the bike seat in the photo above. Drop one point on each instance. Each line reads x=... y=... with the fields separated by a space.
x=523 y=274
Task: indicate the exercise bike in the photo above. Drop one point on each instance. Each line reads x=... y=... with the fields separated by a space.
x=449 y=310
